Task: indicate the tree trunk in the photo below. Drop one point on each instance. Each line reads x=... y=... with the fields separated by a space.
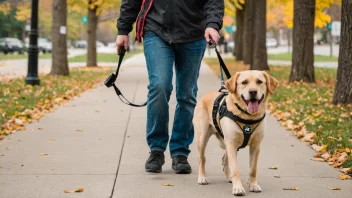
x=248 y=32
x=59 y=41
x=260 y=57
x=343 y=87
x=92 y=37
x=238 y=52
x=303 y=42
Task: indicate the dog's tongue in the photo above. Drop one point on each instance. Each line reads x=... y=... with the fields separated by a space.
x=253 y=106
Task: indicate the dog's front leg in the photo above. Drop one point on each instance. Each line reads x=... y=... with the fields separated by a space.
x=237 y=188
x=254 y=151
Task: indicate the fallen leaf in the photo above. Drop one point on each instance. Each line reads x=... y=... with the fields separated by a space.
x=80 y=189
x=343 y=157
x=318 y=159
x=317 y=155
x=273 y=168
x=43 y=154
x=165 y=184
x=52 y=139
x=68 y=191
x=294 y=188
x=79 y=130
x=345 y=170
x=326 y=156
x=277 y=176
x=2 y=155
x=344 y=177
x=344 y=115
x=336 y=188
x=97 y=111
x=40 y=128
x=1 y=137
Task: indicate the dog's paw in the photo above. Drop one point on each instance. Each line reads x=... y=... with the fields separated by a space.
x=202 y=181
x=255 y=188
x=238 y=191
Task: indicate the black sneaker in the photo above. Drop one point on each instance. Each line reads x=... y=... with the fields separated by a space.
x=155 y=162
x=181 y=165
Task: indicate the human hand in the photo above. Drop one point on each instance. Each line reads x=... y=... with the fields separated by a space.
x=121 y=41
x=213 y=34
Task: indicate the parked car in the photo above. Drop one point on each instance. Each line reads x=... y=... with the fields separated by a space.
x=81 y=44
x=112 y=45
x=271 y=42
x=99 y=44
x=44 y=45
x=11 y=45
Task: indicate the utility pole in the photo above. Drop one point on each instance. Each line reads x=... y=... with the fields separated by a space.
x=32 y=74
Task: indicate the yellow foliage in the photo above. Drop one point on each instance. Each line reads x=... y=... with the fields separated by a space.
x=80 y=6
x=5 y=8
x=23 y=12
x=321 y=19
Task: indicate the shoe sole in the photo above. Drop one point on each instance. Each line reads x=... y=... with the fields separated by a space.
x=183 y=171
x=153 y=170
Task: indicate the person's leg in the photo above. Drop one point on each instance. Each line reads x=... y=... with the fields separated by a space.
x=160 y=58
x=188 y=57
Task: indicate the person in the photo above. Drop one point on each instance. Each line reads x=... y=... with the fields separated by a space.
x=174 y=33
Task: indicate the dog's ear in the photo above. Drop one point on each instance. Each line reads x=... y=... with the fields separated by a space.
x=271 y=83
x=231 y=83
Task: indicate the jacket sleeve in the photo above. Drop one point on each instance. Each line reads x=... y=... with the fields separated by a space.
x=214 y=12
x=128 y=13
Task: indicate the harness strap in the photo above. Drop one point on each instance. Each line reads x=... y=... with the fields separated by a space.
x=247 y=126
x=215 y=111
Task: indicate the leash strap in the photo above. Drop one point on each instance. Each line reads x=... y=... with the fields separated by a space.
x=223 y=67
x=110 y=81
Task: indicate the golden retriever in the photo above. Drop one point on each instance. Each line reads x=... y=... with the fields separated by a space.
x=250 y=91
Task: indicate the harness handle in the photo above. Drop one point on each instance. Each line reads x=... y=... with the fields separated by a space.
x=110 y=81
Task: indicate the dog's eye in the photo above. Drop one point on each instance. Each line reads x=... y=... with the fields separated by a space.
x=259 y=81
x=245 y=82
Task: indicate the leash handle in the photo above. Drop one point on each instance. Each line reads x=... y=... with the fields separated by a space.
x=110 y=81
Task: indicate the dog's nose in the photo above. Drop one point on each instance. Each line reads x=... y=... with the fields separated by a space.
x=253 y=93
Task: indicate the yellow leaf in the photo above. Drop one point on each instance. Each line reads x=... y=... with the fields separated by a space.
x=344 y=177
x=80 y=189
x=165 y=184
x=336 y=188
x=68 y=191
x=274 y=168
x=277 y=176
x=40 y=128
x=79 y=130
x=294 y=188
x=43 y=154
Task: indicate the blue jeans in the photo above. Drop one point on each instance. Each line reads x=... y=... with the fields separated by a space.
x=160 y=57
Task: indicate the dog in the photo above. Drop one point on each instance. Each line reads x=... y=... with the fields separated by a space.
x=248 y=93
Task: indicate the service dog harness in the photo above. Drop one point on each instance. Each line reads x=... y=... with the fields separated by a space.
x=220 y=108
x=220 y=111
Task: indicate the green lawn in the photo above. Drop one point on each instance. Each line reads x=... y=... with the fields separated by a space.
x=288 y=57
x=23 y=103
x=20 y=56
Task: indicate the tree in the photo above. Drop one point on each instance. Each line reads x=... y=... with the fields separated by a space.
x=59 y=40
x=343 y=87
x=238 y=52
x=248 y=32
x=303 y=41
x=260 y=57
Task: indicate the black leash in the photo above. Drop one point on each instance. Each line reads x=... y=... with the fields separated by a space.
x=223 y=67
x=110 y=81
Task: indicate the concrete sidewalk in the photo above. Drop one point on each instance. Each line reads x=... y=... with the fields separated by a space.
x=107 y=158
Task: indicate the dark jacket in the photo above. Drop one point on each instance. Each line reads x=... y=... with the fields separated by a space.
x=174 y=21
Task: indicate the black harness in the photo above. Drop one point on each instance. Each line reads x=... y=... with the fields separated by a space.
x=220 y=111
